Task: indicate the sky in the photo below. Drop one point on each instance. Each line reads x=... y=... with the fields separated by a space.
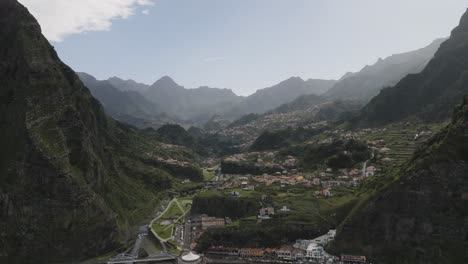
x=243 y=45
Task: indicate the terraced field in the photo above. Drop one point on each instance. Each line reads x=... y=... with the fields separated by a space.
x=401 y=140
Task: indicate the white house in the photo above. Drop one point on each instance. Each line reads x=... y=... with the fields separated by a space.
x=314 y=251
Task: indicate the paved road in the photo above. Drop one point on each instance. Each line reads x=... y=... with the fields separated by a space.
x=137 y=246
x=187 y=232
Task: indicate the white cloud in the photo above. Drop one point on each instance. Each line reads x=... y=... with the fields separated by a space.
x=145 y=12
x=60 y=18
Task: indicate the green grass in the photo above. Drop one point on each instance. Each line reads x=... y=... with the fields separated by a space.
x=208 y=176
x=174 y=212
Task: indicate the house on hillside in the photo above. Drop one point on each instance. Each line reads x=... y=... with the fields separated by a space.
x=285 y=252
x=315 y=251
x=266 y=213
x=370 y=171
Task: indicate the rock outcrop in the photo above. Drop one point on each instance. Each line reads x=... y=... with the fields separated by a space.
x=69 y=175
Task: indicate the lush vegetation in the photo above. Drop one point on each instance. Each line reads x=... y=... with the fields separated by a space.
x=337 y=154
x=164 y=225
x=422 y=223
x=217 y=204
x=269 y=140
x=309 y=216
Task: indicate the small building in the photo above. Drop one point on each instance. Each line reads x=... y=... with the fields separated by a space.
x=326 y=193
x=227 y=251
x=355 y=172
x=350 y=259
x=266 y=213
x=244 y=184
x=190 y=258
x=297 y=254
x=315 y=251
x=249 y=188
x=285 y=209
x=316 y=181
x=284 y=252
x=370 y=171
x=212 y=222
x=251 y=252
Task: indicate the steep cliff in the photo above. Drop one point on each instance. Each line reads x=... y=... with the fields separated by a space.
x=72 y=181
x=431 y=94
x=421 y=217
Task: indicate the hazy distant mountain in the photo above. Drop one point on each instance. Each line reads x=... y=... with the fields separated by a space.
x=284 y=92
x=127 y=85
x=198 y=104
x=116 y=101
x=367 y=83
x=431 y=94
x=129 y=107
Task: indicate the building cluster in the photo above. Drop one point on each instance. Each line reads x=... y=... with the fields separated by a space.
x=248 y=133
x=269 y=160
x=291 y=179
x=302 y=250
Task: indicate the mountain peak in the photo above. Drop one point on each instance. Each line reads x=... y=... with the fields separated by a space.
x=166 y=81
x=294 y=79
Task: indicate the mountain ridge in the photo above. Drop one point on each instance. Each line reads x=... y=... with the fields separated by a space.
x=73 y=182
x=420 y=216
x=365 y=84
x=430 y=94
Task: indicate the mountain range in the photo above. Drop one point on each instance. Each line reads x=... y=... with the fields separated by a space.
x=173 y=103
x=431 y=94
x=128 y=106
x=197 y=104
x=419 y=215
x=367 y=83
x=269 y=98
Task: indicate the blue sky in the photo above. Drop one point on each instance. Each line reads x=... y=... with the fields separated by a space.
x=243 y=44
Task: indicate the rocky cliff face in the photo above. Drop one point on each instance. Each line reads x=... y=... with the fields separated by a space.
x=127 y=106
x=68 y=174
x=431 y=94
x=422 y=217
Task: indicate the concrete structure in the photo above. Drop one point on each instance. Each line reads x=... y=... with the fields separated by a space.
x=189 y=258
x=212 y=222
x=285 y=252
x=315 y=251
x=349 y=259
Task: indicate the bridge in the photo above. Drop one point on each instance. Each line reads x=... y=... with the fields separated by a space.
x=132 y=259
